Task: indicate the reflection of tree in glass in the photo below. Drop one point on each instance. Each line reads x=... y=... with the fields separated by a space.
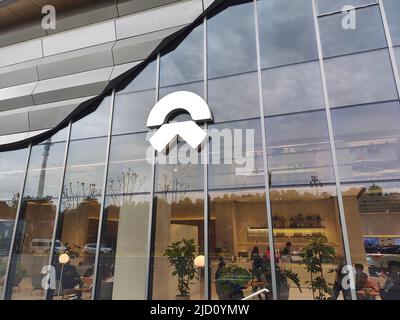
x=13 y=203
x=77 y=192
x=174 y=187
x=126 y=185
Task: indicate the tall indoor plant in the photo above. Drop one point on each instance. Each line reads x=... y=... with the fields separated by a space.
x=315 y=254
x=181 y=255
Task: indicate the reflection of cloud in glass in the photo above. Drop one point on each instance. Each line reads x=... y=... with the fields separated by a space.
x=231 y=41
x=287 y=33
x=326 y=6
x=392 y=9
x=131 y=111
x=12 y=167
x=94 y=124
x=298 y=147
x=185 y=63
x=368 y=141
x=368 y=35
x=292 y=88
x=235 y=97
x=360 y=78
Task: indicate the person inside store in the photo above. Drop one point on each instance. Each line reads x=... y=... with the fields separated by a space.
x=257 y=270
x=391 y=287
x=338 y=284
x=286 y=253
x=366 y=289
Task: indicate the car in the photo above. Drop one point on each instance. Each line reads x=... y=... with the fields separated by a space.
x=92 y=247
x=41 y=246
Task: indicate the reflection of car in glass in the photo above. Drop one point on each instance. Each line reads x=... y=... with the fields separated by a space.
x=41 y=246
x=91 y=248
x=377 y=261
x=372 y=249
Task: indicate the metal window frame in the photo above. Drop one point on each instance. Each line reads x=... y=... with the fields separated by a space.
x=390 y=45
x=56 y=218
x=152 y=214
x=5 y=293
x=103 y=200
x=342 y=216
x=207 y=265
x=265 y=157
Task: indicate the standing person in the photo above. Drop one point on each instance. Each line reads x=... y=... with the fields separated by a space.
x=286 y=252
x=257 y=269
x=391 y=288
x=338 y=285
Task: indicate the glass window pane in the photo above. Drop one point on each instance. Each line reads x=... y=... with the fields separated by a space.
x=145 y=80
x=298 y=149
x=374 y=234
x=131 y=111
x=130 y=166
x=392 y=10
x=96 y=124
x=327 y=6
x=123 y=255
x=368 y=35
x=397 y=54
x=236 y=158
x=232 y=45
x=234 y=97
x=79 y=218
x=36 y=221
x=195 y=87
x=367 y=141
x=287 y=33
x=238 y=244
x=185 y=62
x=180 y=169
x=179 y=239
x=12 y=170
x=360 y=78
x=292 y=88
x=307 y=236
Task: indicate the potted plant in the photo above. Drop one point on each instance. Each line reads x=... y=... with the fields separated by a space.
x=315 y=254
x=181 y=255
x=283 y=276
x=230 y=282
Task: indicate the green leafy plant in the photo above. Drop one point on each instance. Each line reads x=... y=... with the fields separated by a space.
x=230 y=281
x=315 y=254
x=181 y=255
x=283 y=276
x=234 y=274
x=288 y=274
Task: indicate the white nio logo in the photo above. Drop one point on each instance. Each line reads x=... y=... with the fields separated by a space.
x=187 y=130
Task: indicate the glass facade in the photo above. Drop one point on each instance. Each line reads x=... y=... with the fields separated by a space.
x=300 y=175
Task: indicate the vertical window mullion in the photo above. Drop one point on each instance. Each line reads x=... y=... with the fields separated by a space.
x=342 y=216
x=6 y=285
x=207 y=282
x=53 y=239
x=152 y=212
x=103 y=199
x=390 y=46
x=265 y=158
